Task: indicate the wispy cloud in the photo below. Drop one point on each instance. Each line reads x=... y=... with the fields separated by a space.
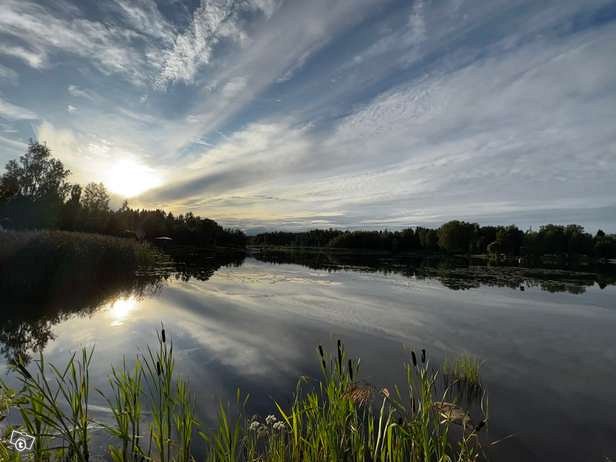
x=266 y=113
x=77 y=92
x=34 y=59
x=43 y=31
x=14 y=112
x=497 y=133
x=8 y=75
x=212 y=22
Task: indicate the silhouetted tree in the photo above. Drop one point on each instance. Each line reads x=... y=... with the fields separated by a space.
x=95 y=198
x=33 y=192
x=33 y=188
x=457 y=236
x=37 y=175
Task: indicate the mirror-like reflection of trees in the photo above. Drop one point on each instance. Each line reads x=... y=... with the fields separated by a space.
x=27 y=319
x=453 y=273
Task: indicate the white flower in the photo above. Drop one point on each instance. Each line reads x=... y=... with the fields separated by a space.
x=280 y=426
x=271 y=419
x=262 y=431
x=254 y=426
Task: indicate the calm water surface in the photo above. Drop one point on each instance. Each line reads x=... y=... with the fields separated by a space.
x=550 y=355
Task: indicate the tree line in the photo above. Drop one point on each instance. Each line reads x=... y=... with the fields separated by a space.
x=456 y=237
x=35 y=194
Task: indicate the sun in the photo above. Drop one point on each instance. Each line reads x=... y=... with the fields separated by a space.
x=120 y=310
x=129 y=178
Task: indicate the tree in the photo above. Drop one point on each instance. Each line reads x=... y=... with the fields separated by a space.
x=509 y=240
x=95 y=198
x=37 y=175
x=72 y=209
x=428 y=238
x=33 y=188
x=457 y=236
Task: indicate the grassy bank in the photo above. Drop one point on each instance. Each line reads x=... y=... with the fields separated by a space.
x=37 y=264
x=338 y=418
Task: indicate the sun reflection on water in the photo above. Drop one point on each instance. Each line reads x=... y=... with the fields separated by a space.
x=121 y=309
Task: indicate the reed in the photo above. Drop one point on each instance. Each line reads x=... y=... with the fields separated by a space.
x=40 y=262
x=464 y=369
x=337 y=418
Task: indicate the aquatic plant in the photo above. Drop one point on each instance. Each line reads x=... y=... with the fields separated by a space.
x=45 y=263
x=335 y=418
x=463 y=369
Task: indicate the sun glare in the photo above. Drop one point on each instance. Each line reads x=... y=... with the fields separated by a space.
x=129 y=178
x=120 y=310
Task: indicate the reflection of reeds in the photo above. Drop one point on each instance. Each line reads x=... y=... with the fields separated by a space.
x=337 y=418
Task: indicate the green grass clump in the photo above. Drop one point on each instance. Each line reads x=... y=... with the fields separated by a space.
x=46 y=262
x=338 y=418
x=464 y=369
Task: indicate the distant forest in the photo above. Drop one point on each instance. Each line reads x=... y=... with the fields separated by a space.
x=456 y=237
x=35 y=194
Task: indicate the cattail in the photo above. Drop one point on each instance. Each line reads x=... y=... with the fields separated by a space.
x=414 y=358
x=423 y=356
x=163 y=336
x=322 y=357
x=158 y=368
x=339 y=356
x=351 y=370
x=24 y=371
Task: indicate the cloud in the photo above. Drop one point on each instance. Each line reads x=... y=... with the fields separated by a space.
x=8 y=75
x=417 y=23
x=144 y=16
x=106 y=46
x=240 y=163
x=77 y=92
x=212 y=22
x=502 y=134
x=274 y=48
x=13 y=112
x=12 y=144
x=34 y=59
x=349 y=113
x=70 y=109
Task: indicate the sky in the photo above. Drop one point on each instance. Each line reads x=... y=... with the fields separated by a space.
x=297 y=114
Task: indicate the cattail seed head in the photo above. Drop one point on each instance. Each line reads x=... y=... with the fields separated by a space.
x=163 y=336
x=321 y=351
x=24 y=371
x=414 y=358
x=423 y=356
x=351 y=370
x=158 y=368
x=339 y=356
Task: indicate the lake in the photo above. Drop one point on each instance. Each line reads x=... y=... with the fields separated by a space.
x=549 y=351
